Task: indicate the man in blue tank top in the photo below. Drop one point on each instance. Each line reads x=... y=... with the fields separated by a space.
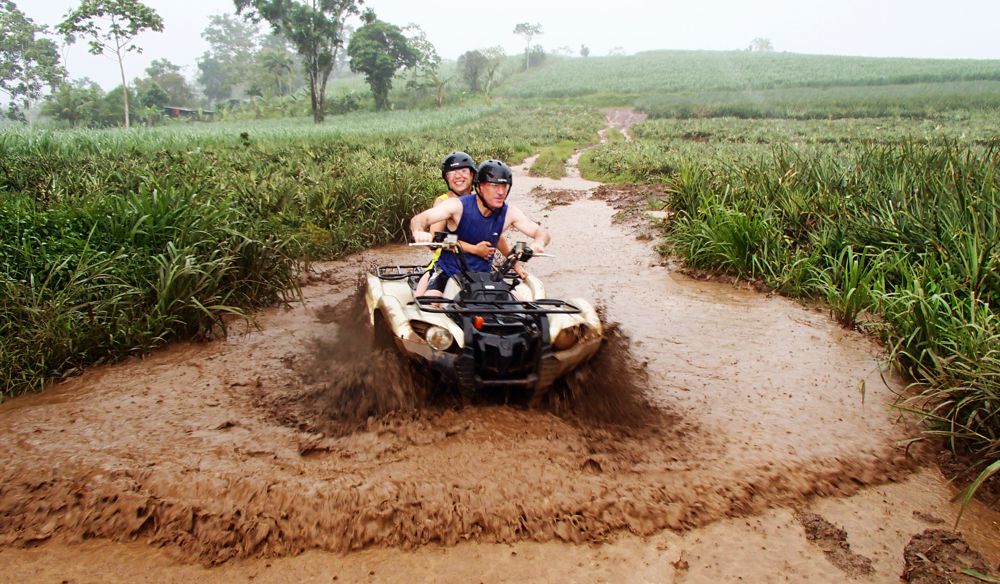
x=481 y=217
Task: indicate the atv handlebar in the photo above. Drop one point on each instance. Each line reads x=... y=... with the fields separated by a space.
x=521 y=252
x=441 y=240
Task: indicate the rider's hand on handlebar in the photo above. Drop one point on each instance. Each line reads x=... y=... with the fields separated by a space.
x=483 y=249
x=537 y=248
x=422 y=237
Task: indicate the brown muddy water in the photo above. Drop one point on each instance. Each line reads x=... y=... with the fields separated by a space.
x=690 y=450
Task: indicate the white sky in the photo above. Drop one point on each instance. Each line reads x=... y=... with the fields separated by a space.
x=881 y=28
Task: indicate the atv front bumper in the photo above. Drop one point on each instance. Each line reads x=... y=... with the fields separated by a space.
x=461 y=367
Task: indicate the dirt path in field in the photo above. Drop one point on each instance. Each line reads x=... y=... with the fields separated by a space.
x=768 y=452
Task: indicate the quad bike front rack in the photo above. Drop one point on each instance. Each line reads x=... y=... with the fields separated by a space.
x=456 y=306
x=399 y=272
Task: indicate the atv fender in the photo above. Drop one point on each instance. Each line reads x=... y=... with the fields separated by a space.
x=530 y=288
x=373 y=292
x=392 y=312
x=587 y=316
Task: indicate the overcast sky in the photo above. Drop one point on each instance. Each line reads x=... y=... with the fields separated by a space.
x=881 y=28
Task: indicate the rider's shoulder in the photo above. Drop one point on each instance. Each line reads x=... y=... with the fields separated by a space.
x=513 y=210
x=453 y=204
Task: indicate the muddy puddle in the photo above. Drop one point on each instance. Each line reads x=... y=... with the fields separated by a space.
x=689 y=450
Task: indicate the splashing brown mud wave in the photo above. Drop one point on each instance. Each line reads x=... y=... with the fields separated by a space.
x=610 y=389
x=349 y=383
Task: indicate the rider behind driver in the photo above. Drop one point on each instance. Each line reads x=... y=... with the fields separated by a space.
x=482 y=217
x=458 y=170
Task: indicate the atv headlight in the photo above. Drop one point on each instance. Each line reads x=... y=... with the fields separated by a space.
x=569 y=336
x=439 y=338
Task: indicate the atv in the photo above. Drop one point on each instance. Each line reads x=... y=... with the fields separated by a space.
x=490 y=330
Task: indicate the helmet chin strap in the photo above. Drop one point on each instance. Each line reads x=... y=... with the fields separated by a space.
x=483 y=201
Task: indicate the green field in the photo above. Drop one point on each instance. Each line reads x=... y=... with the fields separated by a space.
x=867 y=184
x=659 y=72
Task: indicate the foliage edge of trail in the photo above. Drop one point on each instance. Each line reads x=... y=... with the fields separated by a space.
x=899 y=240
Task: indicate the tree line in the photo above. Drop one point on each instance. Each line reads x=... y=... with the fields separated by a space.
x=307 y=44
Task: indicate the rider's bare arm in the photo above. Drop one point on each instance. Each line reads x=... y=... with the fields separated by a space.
x=518 y=220
x=503 y=246
x=448 y=212
x=481 y=249
x=440 y=225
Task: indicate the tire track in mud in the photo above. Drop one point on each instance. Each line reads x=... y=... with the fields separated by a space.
x=237 y=448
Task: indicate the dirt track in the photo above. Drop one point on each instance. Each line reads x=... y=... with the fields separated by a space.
x=224 y=454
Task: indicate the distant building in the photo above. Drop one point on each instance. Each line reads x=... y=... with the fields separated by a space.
x=183 y=112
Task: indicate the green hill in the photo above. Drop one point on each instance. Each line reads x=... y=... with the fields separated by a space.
x=704 y=84
x=677 y=71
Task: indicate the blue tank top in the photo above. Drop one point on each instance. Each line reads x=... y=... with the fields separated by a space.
x=473 y=228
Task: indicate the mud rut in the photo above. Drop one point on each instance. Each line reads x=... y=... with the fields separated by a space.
x=234 y=449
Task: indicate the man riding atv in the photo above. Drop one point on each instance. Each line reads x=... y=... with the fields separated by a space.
x=483 y=330
x=458 y=170
x=481 y=217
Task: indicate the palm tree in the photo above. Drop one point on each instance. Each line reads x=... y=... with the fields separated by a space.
x=279 y=65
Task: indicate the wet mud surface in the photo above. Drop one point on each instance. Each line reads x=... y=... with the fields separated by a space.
x=689 y=449
x=833 y=541
x=939 y=556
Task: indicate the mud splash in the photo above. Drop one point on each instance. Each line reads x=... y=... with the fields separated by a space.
x=331 y=455
x=347 y=382
x=610 y=389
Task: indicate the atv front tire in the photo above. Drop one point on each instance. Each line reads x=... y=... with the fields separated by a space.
x=383 y=339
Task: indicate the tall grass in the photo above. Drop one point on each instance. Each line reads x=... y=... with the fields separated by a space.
x=906 y=233
x=92 y=282
x=722 y=237
x=939 y=100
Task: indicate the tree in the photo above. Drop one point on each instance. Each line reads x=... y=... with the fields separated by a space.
x=27 y=62
x=228 y=63
x=316 y=29
x=277 y=69
x=494 y=60
x=472 y=65
x=167 y=77
x=584 y=51
x=111 y=111
x=379 y=49
x=761 y=45
x=76 y=103
x=528 y=31
x=213 y=78
x=152 y=95
x=111 y=26
x=427 y=72
x=278 y=65
x=536 y=56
